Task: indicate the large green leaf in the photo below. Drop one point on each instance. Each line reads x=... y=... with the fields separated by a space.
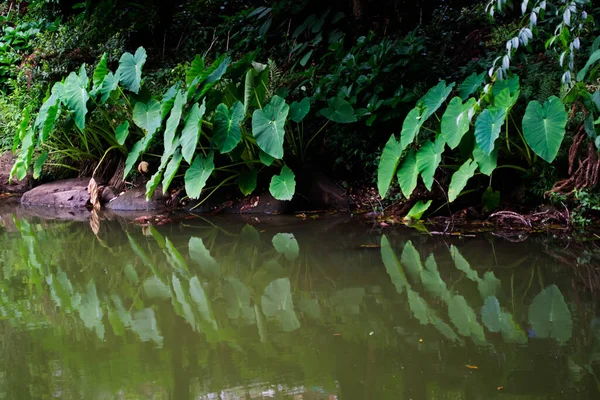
x=191 y=131
x=277 y=302
x=286 y=244
x=48 y=113
x=512 y=84
x=168 y=100
x=411 y=126
x=99 y=74
x=147 y=116
x=173 y=122
x=464 y=319
x=408 y=174
x=549 y=315
x=75 y=97
x=544 y=127
x=109 y=86
x=390 y=157
x=470 y=85
x=456 y=121
x=283 y=186
x=196 y=68
x=488 y=127
x=594 y=57
x=122 y=132
x=460 y=179
x=434 y=98
x=130 y=69
x=227 y=132
x=417 y=211
x=268 y=126
x=506 y=100
x=265 y=158
x=339 y=110
x=196 y=176
x=299 y=110
x=39 y=164
x=428 y=160
x=487 y=163
x=247 y=181
x=171 y=170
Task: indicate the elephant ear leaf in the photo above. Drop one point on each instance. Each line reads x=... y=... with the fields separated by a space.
x=75 y=96
x=283 y=186
x=544 y=127
x=196 y=176
x=339 y=111
x=460 y=179
x=408 y=174
x=268 y=126
x=487 y=128
x=130 y=69
x=470 y=85
x=428 y=160
x=227 y=131
x=456 y=121
x=434 y=98
x=387 y=165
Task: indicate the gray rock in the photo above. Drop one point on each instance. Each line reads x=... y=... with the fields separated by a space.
x=7 y=161
x=68 y=193
x=135 y=200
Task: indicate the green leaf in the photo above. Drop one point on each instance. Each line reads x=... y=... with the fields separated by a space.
x=75 y=97
x=489 y=285
x=299 y=110
x=191 y=131
x=173 y=121
x=171 y=170
x=277 y=302
x=487 y=163
x=130 y=69
x=490 y=199
x=488 y=127
x=39 y=163
x=462 y=264
x=432 y=281
x=505 y=100
x=419 y=308
x=122 y=132
x=247 y=181
x=491 y=314
x=286 y=244
x=145 y=326
x=393 y=266
x=196 y=68
x=544 y=127
x=434 y=99
x=168 y=100
x=549 y=315
x=594 y=57
x=147 y=116
x=283 y=186
x=464 y=319
x=417 y=211
x=196 y=176
x=339 y=111
x=99 y=74
x=411 y=260
x=512 y=84
x=265 y=158
x=460 y=179
x=268 y=127
x=428 y=160
x=408 y=173
x=109 y=86
x=227 y=132
x=201 y=256
x=237 y=299
x=48 y=113
x=456 y=121
x=152 y=184
x=390 y=157
x=470 y=85
x=410 y=127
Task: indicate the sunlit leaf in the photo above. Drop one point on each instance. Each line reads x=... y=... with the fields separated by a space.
x=283 y=186
x=227 y=132
x=130 y=69
x=268 y=127
x=390 y=157
x=196 y=176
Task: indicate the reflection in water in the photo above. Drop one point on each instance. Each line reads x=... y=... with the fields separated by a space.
x=299 y=309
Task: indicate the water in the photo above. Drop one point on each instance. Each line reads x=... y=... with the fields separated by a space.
x=290 y=309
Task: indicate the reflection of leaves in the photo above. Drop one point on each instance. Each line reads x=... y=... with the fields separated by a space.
x=90 y=311
x=464 y=319
x=183 y=302
x=411 y=261
x=277 y=302
x=156 y=289
x=144 y=324
x=549 y=315
x=174 y=257
x=491 y=314
x=431 y=279
x=393 y=266
x=286 y=244
x=489 y=285
x=237 y=298
x=249 y=235
x=444 y=328
x=200 y=254
x=462 y=264
x=348 y=301
x=199 y=296
x=418 y=307
x=310 y=307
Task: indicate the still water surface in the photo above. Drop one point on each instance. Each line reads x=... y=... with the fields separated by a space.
x=289 y=309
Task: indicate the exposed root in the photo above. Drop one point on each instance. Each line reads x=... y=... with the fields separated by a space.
x=503 y=215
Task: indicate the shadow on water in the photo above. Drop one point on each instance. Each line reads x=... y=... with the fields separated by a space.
x=283 y=308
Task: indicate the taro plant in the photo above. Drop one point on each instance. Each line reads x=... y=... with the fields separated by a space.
x=485 y=117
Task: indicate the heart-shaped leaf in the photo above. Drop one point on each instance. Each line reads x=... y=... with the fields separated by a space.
x=130 y=69
x=544 y=127
x=191 y=131
x=277 y=302
x=488 y=127
x=417 y=211
x=171 y=170
x=227 y=132
x=434 y=99
x=99 y=74
x=464 y=318
x=387 y=165
x=283 y=186
x=470 y=85
x=46 y=118
x=247 y=182
x=122 y=132
x=505 y=100
x=411 y=126
x=339 y=111
x=168 y=100
x=299 y=110
x=456 y=121
x=460 y=179
x=268 y=126
x=408 y=173
x=196 y=68
x=265 y=158
x=109 y=86
x=147 y=116
x=549 y=315
x=75 y=97
x=286 y=244
x=512 y=84
x=428 y=160
x=487 y=163
x=196 y=176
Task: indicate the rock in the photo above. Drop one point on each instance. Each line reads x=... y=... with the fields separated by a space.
x=70 y=193
x=108 y=193
x=135 y=200
x=7 y=161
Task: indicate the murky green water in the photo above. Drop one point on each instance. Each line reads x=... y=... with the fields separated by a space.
x=290 y=309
